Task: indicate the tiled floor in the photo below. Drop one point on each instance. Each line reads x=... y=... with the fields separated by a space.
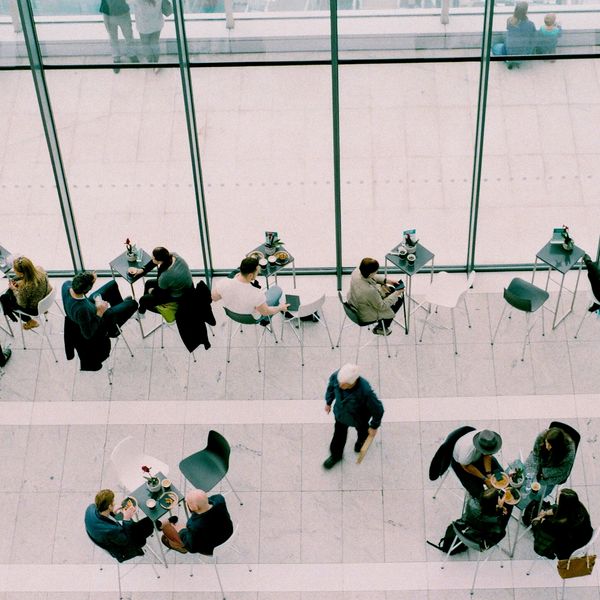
x=354 y=533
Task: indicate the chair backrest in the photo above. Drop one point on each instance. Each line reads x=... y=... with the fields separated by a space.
x=239 y=318
x=219 y=446
x=516 y=301
x=305 y=310
x=443 y=456
x=586 y=548
x=351 y=312
x=128 y=459
x=46 y=303
x=570 y=431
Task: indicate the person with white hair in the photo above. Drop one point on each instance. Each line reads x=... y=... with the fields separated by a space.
x=355 y=404
x=209 y=525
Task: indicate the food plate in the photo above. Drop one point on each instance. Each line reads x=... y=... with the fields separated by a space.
x=257 y=254
x=282 y=256
x=128 y=502
x=168 y=500
x=512 y=496
x=501 y=483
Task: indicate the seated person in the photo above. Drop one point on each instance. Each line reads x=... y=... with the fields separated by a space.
x=551 y=459
x=488 y=516
x=174 y=278
x=29 y=286
x=520 y=31
x=548 y=35
x=209 y=525
x=4 y=356
x=102 y=311
x=371 y=297
x=122 y=540
x=240 y=295
x=593 y=272
x=562 y=529
x=473 y=460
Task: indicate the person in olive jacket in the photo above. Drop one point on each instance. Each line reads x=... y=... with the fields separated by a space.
x=355 y=404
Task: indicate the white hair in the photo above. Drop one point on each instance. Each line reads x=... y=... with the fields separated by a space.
x=348 y=374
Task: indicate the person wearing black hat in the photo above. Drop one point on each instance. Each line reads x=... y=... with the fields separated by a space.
x=473 y=460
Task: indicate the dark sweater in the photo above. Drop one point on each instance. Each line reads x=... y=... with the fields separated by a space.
x=177 y=278
x=204 y=532
x=570 y=533
x=82 y=312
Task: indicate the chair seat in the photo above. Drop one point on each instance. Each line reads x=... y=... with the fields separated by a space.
x=168 y=311
x=203 y=469
x=445 y=290
x=525 y=296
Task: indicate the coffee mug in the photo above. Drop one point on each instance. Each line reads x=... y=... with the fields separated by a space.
x=166 y=483
x=411 y=258
x=150 y=503
x=402 y=252
x=263 y=262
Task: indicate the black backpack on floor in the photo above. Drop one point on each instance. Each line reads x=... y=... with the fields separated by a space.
x=445 y=543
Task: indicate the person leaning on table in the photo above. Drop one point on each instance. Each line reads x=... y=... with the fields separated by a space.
x=122 y=540
x=473 y=460
x=370 y=296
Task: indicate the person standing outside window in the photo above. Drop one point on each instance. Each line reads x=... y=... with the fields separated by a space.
x=117 y=16
x=149 y=22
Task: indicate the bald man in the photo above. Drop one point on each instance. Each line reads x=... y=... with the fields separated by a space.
x=209 y=525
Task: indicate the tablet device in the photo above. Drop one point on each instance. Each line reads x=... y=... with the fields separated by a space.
x=293 y=301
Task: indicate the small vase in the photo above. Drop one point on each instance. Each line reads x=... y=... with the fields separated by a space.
x=516 y=483
x=568 y=246
x=132 y=257
x=270 y=250
x=154 y=487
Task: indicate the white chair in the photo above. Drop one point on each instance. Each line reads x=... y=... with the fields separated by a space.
x=128 y=459
x=593 y=300
x=447 y=291
x=306 y=310
x=43 y=308
x=576 y=553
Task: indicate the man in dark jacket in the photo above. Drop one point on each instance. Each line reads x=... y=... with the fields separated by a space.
x=121 y=539
x=593 y=272
x=356 y=405
x=209 y=525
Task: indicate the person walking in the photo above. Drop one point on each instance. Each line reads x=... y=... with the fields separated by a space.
x=117 y=16
x=355 y=404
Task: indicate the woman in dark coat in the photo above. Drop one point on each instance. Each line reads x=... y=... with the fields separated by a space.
x=552 y=458
x=488 y=516
x=563 y=528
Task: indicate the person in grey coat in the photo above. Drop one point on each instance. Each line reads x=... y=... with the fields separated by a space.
x=374 y=297
x=355 y=404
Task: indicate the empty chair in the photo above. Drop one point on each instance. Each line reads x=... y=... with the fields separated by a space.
x=204 y=469
x=306 y=309
x=351 y=314
x=526 y=297
x=128 y=459
x=247 y=320
x=447 y=291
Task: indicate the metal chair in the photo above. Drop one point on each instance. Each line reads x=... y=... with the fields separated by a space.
x=526 y=297
x=204 y=469
x=113 y=352
x=593 y=300
x=43 y=308
x=353 y=316
x=306 y=310
x=247 y=320
x=447 y=291
x=127 y=459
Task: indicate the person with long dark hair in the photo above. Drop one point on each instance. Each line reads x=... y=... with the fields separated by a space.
x=552 y=457
x=563 y=528
x=520 y=33
x=488 y=515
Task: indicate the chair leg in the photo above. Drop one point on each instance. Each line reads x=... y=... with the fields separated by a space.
x=257 y=346
x=125 y=340
x=563 y=589
x=587 y=312
x=62 y=312
x=385 y=339
x=427 y=313
x=475 y=574
x=8 y=331
x=358 y=345
x=498 y=326
x=324 y=321
x=229 y=341
x=339 y=340
x=48 y=340
x=219 y=577
x=526 y=336
x=233 y=490
x=467 y=311
x=119 y=580
x=22 y=335
x=301 y=342
x=453 y=330
x=441 y=483
x=528 y=572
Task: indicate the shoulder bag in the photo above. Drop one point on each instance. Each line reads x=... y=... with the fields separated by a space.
x=576 y=567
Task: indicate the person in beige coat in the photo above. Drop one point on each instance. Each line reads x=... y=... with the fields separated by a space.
x=373 y=296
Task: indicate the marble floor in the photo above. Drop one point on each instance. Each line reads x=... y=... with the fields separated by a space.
x=356 y=532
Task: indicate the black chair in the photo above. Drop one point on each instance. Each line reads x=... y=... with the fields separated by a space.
x=527 y=298
x=206 y=468
x=440 y=463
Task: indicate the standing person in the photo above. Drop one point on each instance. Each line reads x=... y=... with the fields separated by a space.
x=25 y=291
x=473 y=460
x=149 y=22
x=174 y=278
x=356 y=405
x=117 y=16
x=548 y=35
x=371 y=297
x=209 y=525
x=4 y=356
x=520 y=33
x=121 y=539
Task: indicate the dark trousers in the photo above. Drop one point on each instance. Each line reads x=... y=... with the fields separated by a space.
x=340 y=433
x=120 y=310
x=472 y=484
x=2 y=357
x=153 y=296
x=395 y=307
x=9 y=303
x=141 y=530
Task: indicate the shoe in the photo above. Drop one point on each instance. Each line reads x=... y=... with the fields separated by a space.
x=380 y=331
x=134 y=59
x=587 y=259
x=116 y=61
x=288 y=315
x=138 y=316
x=331 y=462
x=158 y=524
x=156 y=70
x=264 y=323
x=358 y=446
x=594 y=307
x=6 y=355
x=173 y=519
x=31 y=324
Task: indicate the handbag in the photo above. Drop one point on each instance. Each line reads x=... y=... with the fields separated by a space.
x=576 y=567
x=166 y=8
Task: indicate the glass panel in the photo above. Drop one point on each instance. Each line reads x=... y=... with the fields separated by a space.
x=126 y=154
x=407 y=137
x=542 y=150
x=29 y=208
x=265 y=139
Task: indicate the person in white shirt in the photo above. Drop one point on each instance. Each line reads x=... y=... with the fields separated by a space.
x=473 y=460
x=240 y=295
x=149 y=22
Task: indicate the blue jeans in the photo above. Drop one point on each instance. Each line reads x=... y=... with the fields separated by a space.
x=273 y=296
